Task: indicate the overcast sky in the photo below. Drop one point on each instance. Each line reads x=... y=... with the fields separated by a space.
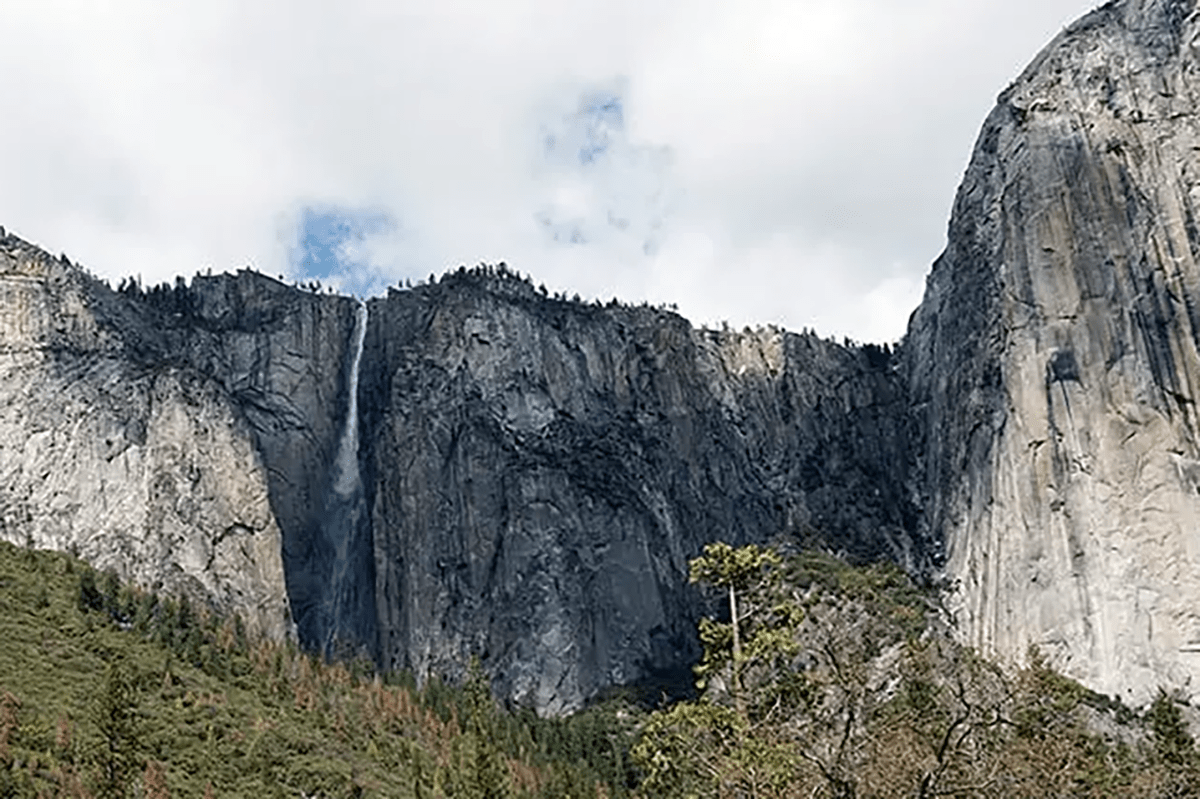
x=789 y=161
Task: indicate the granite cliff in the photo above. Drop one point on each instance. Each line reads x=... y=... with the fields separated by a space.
x=175 y=436
x=1053 y=365
x=474 y=467
x=532 y=477
x=540 y=471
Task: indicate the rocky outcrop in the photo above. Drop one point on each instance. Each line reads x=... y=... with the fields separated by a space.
x=533 y=476
x=1054 y=365
x=540 y=471
x=283 y=357
x=175 y=436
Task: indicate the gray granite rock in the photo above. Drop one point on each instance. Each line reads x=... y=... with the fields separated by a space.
x=1054 y=365
x=179 y=436
x=539 y=473
x=533 y=475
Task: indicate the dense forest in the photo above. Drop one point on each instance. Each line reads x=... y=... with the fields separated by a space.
x=108 y=691
x=825 y=680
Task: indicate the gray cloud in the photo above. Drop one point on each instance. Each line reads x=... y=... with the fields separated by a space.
x=761 y=161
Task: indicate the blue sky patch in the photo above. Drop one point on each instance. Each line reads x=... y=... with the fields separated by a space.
x=603 y=190
x=601 y=116
x=329 y=245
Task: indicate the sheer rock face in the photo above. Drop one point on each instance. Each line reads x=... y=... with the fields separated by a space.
x=169 y=437
x=1054 y=362
x=536 y=473
x=540 y=472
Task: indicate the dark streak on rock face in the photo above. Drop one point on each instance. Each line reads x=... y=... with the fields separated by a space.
x=1062 y=367
x=539 y=473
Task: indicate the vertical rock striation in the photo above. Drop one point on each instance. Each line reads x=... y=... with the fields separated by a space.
x=179 y=436
x=284 y=357
x=539 y=472
x=1053 y=365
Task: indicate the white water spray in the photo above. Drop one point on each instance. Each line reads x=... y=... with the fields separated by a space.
x=345 y=619
x=348 y=479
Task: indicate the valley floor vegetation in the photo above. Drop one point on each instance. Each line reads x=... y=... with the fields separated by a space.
x=826 y=680
x=818 y=679
x=107 y=691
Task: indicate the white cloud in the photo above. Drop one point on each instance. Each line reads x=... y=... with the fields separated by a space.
x=772 y=161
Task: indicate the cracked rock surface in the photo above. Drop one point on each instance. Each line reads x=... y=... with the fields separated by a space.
x=172 y=436
x=535 y=473
x=1054 y=365
x=541 y=471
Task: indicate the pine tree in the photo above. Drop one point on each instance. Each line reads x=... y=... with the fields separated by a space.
x=1172 y=741
x=490 y=771
x=116 y=721
x=89 y=595
x=424 y=773
x=734 y=570
x=704 y=748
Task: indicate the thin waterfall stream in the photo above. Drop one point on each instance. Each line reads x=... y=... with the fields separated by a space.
x=348 y=478
x=348 y=622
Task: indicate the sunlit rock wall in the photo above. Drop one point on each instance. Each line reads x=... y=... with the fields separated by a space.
x=176 y=436
x=1054 y=362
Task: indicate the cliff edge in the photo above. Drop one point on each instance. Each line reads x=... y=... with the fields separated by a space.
x=1053 y=363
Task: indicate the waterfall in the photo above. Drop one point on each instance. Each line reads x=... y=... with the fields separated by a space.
x=348 y=478
x=346 y=620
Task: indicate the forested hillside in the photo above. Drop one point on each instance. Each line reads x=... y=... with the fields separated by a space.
x=840 y=681
x=107 y=691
